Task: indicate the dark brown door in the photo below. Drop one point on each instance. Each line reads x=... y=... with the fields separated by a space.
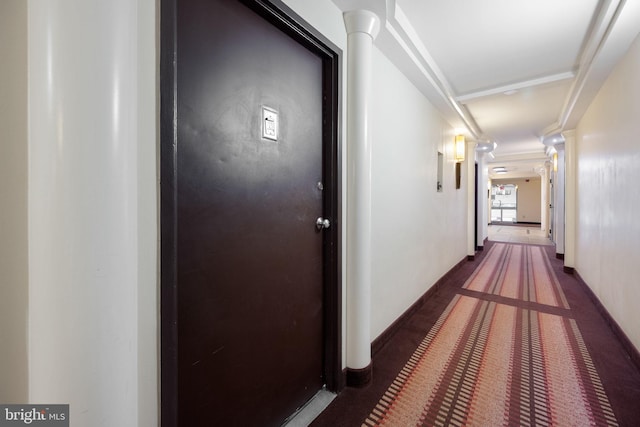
x=249 y=255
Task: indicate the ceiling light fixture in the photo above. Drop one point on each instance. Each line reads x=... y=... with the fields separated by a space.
x=551 y=140
x=485 y=147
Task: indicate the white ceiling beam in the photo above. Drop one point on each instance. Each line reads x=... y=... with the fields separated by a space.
x=399 y=27
x=510 y=160
x=607 y=15
x=400 y=42
x=514 y=87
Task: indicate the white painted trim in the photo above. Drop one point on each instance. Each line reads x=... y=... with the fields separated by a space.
x=595 y=42
x=517 y=86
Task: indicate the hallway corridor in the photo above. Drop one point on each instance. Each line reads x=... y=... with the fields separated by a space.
x=508 y=339
x=188 y=211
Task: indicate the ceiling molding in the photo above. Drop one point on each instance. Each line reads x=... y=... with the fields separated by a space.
x=607 y=15
x=463 y=111
x=399 y=27
x=399 y=41
x=612 y=28
x=552 y=129
x=528 y=158
x=517 y=86
x=379 y=7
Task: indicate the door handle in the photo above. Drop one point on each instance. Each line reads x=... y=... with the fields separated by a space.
x=322 y=223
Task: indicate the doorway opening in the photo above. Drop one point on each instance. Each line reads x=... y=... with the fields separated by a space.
x=504 y=204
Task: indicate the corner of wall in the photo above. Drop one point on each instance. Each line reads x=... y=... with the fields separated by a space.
x=13 y=193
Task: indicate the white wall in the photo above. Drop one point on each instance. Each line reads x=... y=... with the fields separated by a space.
x=13 y=202
x=93 y=209
x=608 y=200
x=418 y=233
x=529 y=192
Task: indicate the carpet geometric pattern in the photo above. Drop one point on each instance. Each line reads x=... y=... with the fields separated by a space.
x=505 y=352
x=515 y=271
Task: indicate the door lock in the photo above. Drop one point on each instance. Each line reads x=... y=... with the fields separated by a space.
x=322 y=223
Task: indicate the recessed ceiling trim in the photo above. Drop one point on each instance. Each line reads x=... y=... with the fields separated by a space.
x=400 y=28
x=598 y=34
x=397 y=33
x=511 y=161
x=514 y=87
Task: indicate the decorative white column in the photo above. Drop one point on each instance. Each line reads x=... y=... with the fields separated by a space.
x=544 y=198
x=471 y=199
x=92 y=209
x=570 y=201
x=362 y=27
x=483 y=200
x=559 y=205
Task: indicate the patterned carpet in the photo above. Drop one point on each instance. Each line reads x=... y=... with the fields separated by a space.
x=506 y=351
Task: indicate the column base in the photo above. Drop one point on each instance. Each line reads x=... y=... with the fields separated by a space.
x=359 y=378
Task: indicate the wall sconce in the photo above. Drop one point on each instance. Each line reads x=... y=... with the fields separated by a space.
x=458 y=154
x=555 y=162
x=460 y=148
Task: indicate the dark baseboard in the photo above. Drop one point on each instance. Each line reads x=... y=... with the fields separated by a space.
x=568 y=270
x=386 y=335
x=559 y=256
x=359 y=378
x=341 y=381
x=627 y=345
x=484 y=243
x=471 y=257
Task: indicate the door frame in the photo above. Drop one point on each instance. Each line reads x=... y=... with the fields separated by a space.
x=283 y=18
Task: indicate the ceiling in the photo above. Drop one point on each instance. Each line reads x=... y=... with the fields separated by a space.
x=513 y=72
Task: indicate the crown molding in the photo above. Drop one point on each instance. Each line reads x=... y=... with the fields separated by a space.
x=499 y=90
x=399 y=41
x=587 y=81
